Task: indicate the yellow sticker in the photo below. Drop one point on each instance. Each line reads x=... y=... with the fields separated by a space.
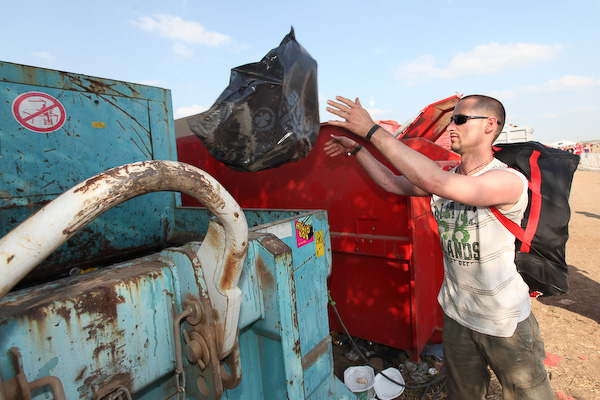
x=96 y=124
x=320 y=245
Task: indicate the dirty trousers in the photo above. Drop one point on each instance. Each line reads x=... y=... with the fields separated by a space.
x=517 y=361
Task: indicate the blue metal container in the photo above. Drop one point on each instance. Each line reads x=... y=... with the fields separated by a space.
x=141 y=323
x=107 y=123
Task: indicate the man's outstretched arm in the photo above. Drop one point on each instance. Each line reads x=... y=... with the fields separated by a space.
x=494 y=188
x=379 y=173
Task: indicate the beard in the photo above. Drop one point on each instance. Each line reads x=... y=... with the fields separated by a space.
x=456 y=147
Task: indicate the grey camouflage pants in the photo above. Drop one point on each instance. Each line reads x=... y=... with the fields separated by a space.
x=517 y=361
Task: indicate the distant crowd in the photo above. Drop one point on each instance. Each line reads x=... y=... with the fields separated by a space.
x=579 y=148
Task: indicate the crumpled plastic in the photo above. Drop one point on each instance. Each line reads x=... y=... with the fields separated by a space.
x=269 y=113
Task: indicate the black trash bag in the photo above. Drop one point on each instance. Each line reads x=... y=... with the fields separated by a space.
x=269 y=113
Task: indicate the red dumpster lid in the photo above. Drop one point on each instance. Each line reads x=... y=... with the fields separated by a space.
x=389 y=125
x=431 y=122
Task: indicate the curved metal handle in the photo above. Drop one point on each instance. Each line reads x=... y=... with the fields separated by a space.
x=26 y=246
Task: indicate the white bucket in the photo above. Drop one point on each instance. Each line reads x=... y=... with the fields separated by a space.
x=385 y=389
x=360 y=380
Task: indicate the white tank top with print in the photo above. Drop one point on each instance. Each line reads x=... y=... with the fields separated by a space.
x=482 y=289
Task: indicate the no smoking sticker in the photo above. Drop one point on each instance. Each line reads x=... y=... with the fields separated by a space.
x=39 y=112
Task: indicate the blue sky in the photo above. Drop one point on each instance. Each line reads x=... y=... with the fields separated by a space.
x=540 y=58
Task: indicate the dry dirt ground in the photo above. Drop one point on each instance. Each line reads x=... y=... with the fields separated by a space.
x=569 y=323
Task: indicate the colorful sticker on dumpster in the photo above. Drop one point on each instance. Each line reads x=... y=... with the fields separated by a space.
x=39 y=112
x=320 y=244
x=305 y=233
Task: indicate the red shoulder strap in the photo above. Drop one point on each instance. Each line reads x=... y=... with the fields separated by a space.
x=508 y=224
x=535 y=206
x=526 y=235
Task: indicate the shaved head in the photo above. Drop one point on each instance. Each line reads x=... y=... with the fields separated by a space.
x=488 y=106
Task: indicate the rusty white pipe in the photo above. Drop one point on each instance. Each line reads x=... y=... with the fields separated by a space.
x=31 y=242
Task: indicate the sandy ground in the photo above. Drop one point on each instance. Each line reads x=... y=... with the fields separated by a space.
x=570 y=323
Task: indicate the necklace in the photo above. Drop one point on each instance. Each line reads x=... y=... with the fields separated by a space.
x=483 y=164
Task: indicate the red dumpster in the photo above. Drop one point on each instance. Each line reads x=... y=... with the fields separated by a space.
x=387 y=260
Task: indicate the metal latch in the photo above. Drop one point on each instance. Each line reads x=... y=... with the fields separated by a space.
x=18 y=388
x=214 y=375
x=121 y=393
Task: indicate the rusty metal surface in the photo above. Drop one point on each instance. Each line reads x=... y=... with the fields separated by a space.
x=111 y=329
x=85 y=328
x=108 y=123
x=24 y=247
x=36 y=76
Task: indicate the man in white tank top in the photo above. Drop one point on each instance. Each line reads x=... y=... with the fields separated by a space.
x=487 y=310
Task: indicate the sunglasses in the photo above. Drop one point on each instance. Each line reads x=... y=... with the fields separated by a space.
x=462 y=119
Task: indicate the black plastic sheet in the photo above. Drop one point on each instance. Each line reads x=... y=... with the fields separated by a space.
x=269 y=113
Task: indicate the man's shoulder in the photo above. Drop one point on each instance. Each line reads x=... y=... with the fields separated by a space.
x=500 y=166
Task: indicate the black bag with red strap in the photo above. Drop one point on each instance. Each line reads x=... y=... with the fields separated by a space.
x=542 y=236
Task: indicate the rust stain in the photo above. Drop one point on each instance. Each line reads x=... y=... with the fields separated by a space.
x=296 y=348
x=94 y=294
x=80 y=375
x=275 y=245
x=102 y=301
x=38 y=315
x=111 y=348
x=64 y=312
x=214 y=240
x=90 y=182
x=89 y=381
x=98 y=86
x=99 y=350
x=230 y=271
x=265 y=276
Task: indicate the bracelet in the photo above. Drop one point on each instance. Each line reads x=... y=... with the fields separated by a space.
x=355 y=149
x=372 y=131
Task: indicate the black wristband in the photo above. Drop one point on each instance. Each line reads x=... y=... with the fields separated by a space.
x=355 y=149
x=372 y=131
